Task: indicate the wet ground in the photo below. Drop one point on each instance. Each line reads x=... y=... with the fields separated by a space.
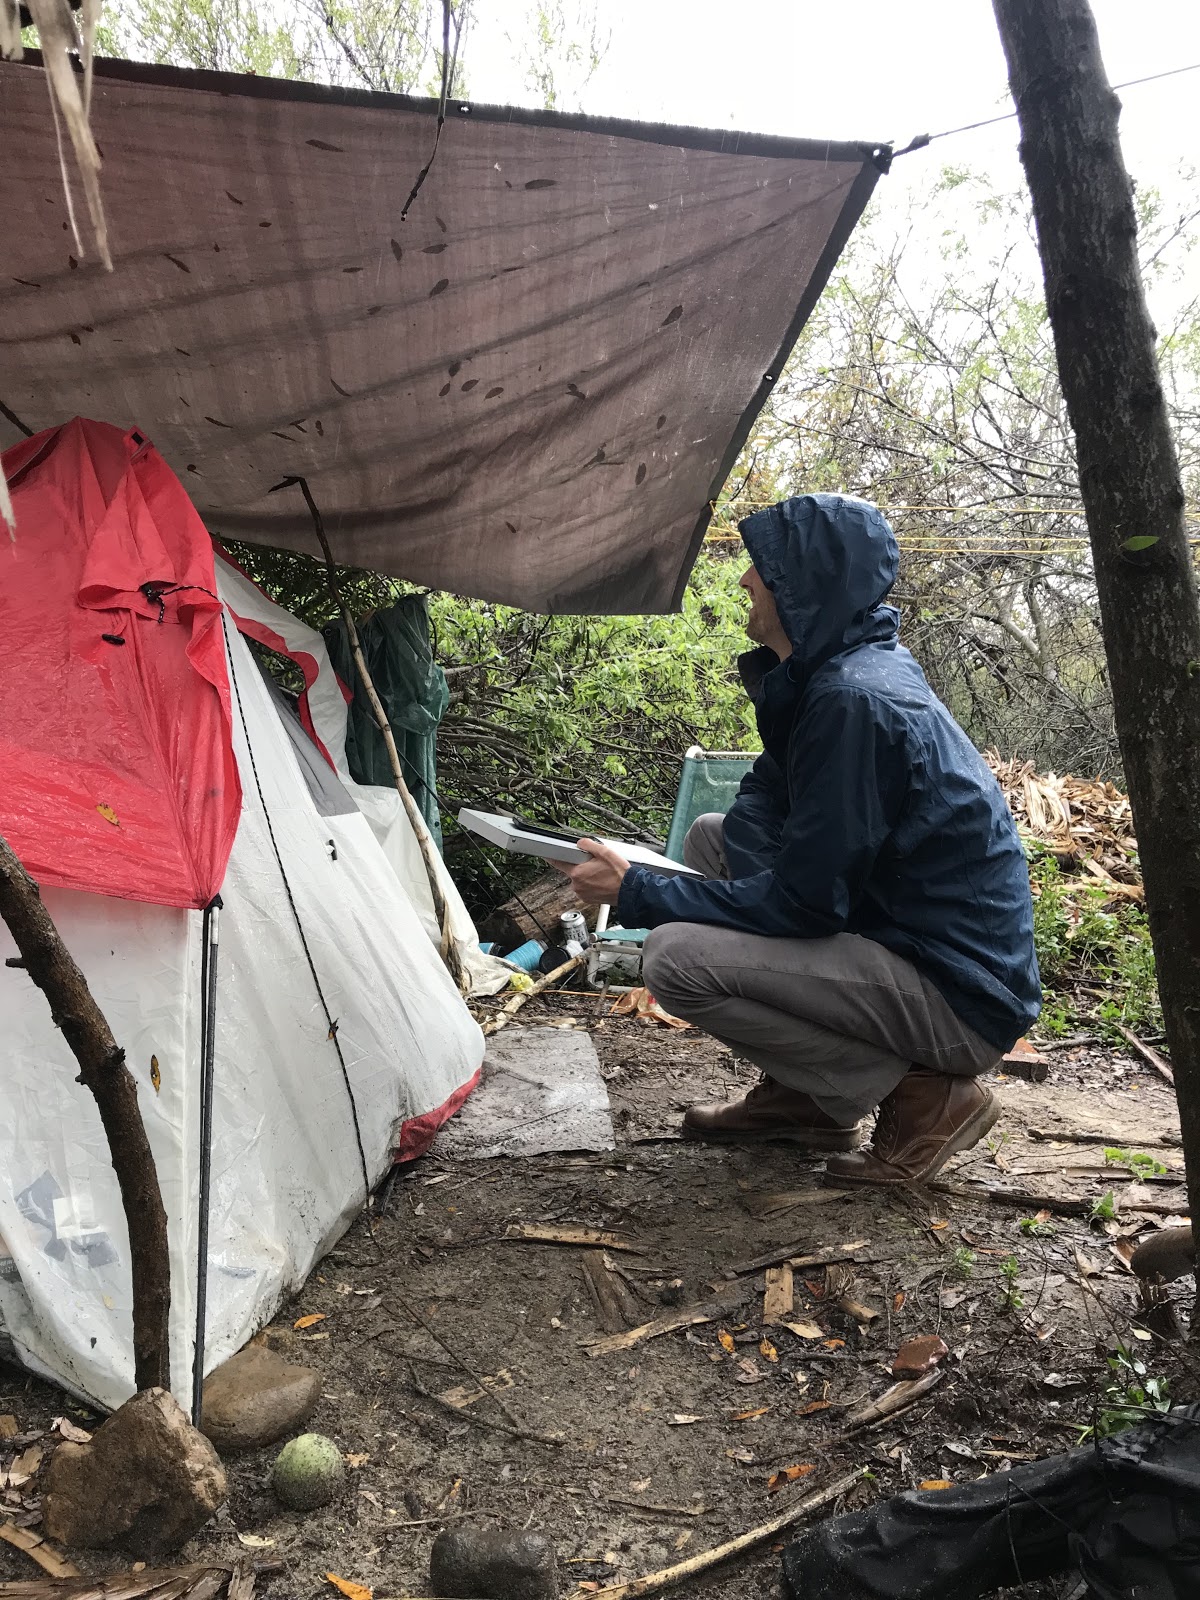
x=637 y=1458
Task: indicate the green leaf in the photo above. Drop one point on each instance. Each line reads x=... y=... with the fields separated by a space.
x=1140 y=541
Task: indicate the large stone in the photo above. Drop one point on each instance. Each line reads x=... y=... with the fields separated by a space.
x=146 y=1483
x=490 y=1565
x=255 y=1398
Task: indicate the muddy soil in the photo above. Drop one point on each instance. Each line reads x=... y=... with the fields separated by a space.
x=635 y=1459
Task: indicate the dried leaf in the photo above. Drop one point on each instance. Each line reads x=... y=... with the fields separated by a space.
x=939 y=1224
x=777 y=1480
x=155 y=1074
x=1143 y=1334
x=109 y=815
x=767 y=1350
x=834 y=1344
x=682 y=1418
x=725 y=1340
x=749 y=1416
x=68 y=1429
x=740 y=1453
x=935 y=1483
x=255 y=1541
x=310 y=1321
x=898 y=1299
x=805 y=1330
x=683 y=1538
x=356 y=1461
x=352 y=1591
x=814 y=1406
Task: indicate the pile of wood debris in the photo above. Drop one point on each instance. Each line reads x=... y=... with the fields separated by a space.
x=1087 y=824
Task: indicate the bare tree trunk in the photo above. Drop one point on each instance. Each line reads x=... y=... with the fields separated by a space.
x=1130 y=482
x=102 y=1069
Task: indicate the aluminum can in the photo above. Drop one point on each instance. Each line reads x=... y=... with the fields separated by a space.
x=574 y=929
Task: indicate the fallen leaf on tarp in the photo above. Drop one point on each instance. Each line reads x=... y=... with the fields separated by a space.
x=805 y=1330
x=255 y=1541
x=70 y=1431
x=640 y=1003
x=740 y=1453
x=749 y=1416
x=814 y=1406
x=682 y=1418
x=935 y=1483
x=109 y=815
x=725 y=1340
x=777 y=1480
x=310 y=1321
x=898 y=1299
x=352 y=1591
x=767 y=1350
x=155 y=1075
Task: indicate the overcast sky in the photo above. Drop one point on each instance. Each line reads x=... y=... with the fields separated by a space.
x=867 y=69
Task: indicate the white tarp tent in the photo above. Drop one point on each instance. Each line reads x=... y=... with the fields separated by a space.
x=287 y=1172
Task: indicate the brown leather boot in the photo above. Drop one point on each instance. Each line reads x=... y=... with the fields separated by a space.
x=925 y=1120
x=770 y=1111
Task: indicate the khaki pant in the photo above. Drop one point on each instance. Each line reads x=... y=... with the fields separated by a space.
x=841 y=1019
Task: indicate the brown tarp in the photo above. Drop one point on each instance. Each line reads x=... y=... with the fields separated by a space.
x=528 y=391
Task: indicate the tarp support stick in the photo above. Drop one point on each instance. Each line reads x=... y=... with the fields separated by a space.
x=210 y=938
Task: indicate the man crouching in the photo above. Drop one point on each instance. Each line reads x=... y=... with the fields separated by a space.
x=863 y=932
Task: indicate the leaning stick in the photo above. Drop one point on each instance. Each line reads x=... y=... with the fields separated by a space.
x=447 y=947
x=668 y=1577
x=509 y=1010
x=1148 y=1054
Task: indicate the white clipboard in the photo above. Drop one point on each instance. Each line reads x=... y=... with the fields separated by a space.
x=502 y=830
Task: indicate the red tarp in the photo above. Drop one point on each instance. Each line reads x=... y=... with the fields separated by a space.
x=119 y=776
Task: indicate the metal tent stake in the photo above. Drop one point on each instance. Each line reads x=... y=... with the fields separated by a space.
x=210 y=933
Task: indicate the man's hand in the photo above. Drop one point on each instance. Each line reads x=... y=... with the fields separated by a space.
x=597 y=882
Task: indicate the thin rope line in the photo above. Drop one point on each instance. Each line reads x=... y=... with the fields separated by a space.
x=924 y=139
x=333 y=1032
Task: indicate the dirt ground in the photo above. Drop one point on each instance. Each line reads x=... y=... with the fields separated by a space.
x=663 y=1449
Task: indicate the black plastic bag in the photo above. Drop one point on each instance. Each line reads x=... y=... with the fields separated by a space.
x=1124 y=1511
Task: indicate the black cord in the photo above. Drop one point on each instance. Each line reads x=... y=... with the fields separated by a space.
x=449 y=63
x=333 y=1027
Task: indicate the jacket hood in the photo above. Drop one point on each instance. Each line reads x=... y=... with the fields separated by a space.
x=829 y=561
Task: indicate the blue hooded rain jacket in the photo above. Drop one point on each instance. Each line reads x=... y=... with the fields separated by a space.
x=869 y=811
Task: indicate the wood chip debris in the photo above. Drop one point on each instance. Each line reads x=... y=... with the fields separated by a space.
x=540 y=1233
x=1087 y=824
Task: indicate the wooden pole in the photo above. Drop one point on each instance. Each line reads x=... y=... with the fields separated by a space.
x=1129 y=481
x=102 y=1069
x=447 y=946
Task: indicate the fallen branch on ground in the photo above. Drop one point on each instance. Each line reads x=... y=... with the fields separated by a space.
x=1127 y=1141
x=792 y=1253
x=512 y=1429
x=669 y=1577
x=686 y=1317
x=36 y=1548
x=1021 y=1200
x=509 y=1010
x=1147 y=1053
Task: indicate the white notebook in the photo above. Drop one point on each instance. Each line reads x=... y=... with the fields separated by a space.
x=502 y=830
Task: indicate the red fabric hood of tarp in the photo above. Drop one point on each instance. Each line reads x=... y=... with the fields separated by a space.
x=119 y=776
x=528 y=390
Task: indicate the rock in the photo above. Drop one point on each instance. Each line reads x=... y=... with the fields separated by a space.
x=255 y=1398
x=308 y=1472
x=146 y=1483
x=484 y=1562
x=1168 y=1254
x=918 y=1356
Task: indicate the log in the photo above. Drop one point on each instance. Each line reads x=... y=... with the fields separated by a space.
x=532 y=914
x=103 y=1071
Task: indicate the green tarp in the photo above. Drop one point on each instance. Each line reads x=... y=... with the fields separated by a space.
x=413 y=690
